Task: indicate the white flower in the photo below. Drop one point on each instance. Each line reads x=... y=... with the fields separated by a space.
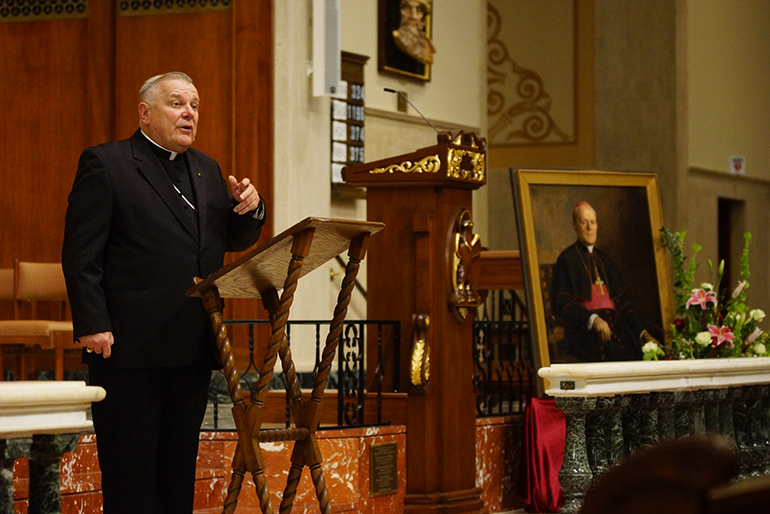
x=739 y=289
x=707 y=286
x=650 y=347
x=703 y=338
x=760 y=349
x=757 y=315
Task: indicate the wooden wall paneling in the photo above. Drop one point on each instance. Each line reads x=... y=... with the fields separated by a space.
x=44 y=129
x=75 y=83
x=100 y=73
x=252 y=138
x=198 y=44
x=229 y=57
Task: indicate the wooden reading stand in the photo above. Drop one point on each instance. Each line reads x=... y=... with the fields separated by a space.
x=260 y=274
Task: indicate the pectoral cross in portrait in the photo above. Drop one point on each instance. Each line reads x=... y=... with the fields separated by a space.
x=599 y=282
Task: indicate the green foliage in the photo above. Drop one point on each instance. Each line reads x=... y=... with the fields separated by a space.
x=710 y=324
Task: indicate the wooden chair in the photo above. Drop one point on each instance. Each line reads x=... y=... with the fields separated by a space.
x=693 y=475
x=33 y=283
x=554 y=328
x=6 y=301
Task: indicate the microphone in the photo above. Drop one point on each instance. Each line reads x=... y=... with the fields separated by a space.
x=415 y=108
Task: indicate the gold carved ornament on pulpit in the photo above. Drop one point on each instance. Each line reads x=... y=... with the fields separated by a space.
x=465 y=248
x=420 y=363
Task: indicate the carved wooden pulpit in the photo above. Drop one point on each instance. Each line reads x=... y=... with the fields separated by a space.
x=421 y=272
x=261 y=273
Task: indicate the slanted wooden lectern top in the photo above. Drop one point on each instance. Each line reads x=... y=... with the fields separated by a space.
x=261 y=273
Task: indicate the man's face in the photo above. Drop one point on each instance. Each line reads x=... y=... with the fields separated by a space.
x=411 y=13
x=170 y=117
x=585 y=225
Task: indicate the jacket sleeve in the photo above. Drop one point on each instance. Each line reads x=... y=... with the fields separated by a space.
x=243 y=229
x=86 y=230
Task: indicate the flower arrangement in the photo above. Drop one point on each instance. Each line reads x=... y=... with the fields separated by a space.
x=709 y=324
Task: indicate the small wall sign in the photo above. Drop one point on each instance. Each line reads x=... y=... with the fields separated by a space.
x=738 y=165
x=383 y=469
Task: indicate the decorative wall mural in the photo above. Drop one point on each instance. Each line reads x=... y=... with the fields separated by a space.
x=525 y=105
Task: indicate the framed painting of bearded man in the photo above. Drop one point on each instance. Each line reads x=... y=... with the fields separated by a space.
x=595 y=270
x=404 y=38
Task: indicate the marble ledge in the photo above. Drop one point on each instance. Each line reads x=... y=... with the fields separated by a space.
x=321 y=433
x=45 y=407
x=638 y=377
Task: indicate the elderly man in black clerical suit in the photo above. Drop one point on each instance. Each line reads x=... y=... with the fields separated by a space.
x=590 y=296
x=145 y=216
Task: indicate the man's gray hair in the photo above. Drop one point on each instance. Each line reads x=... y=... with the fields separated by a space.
x=150 y=84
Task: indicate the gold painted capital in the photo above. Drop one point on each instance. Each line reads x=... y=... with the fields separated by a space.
x=458 y=157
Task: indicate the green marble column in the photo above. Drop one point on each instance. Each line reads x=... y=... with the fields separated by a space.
x=44 y=469
x=682 y=416
x=575 y=475
x=632 y=421
x=615 y=448
x=597 y=432
x=757 y=439
x=648 y=421
x=10 y=450
x=742 y=431
x=714 y=398
x=765 y=428
x=665 y=402
x=697 y=407
x=727 y=414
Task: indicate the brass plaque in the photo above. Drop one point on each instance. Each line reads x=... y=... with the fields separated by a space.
x=383 y=469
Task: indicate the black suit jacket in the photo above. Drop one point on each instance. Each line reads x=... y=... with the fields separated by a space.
x=130 y=253
x=572 y=285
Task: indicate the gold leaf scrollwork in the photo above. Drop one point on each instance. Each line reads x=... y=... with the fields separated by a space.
x=429 y=164
x=455 y=168
x=417 y=355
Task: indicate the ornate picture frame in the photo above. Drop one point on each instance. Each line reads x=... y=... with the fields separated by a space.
x=629 y=216
x=405 y=29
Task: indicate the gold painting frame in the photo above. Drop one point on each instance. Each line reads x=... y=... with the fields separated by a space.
x=627 y=203
x=389 y=57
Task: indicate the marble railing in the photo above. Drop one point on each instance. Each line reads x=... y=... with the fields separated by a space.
x=41 y=421
x=614 y=409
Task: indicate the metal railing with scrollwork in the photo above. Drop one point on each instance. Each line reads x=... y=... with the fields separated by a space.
x=505 y=376
x=348 y=380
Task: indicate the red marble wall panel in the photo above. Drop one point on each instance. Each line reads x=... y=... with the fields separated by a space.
x=498 y=451
x=346 y=471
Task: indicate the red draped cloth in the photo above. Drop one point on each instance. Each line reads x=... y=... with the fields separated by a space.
x=544 y=436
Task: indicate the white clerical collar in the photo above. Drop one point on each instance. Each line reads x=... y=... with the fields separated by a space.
x=172 y=155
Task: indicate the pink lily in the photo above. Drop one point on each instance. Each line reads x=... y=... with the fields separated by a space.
x=720 y=335
x=754 y=335
x=701 y=297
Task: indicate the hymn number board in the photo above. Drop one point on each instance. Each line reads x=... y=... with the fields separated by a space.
x=347 y=115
